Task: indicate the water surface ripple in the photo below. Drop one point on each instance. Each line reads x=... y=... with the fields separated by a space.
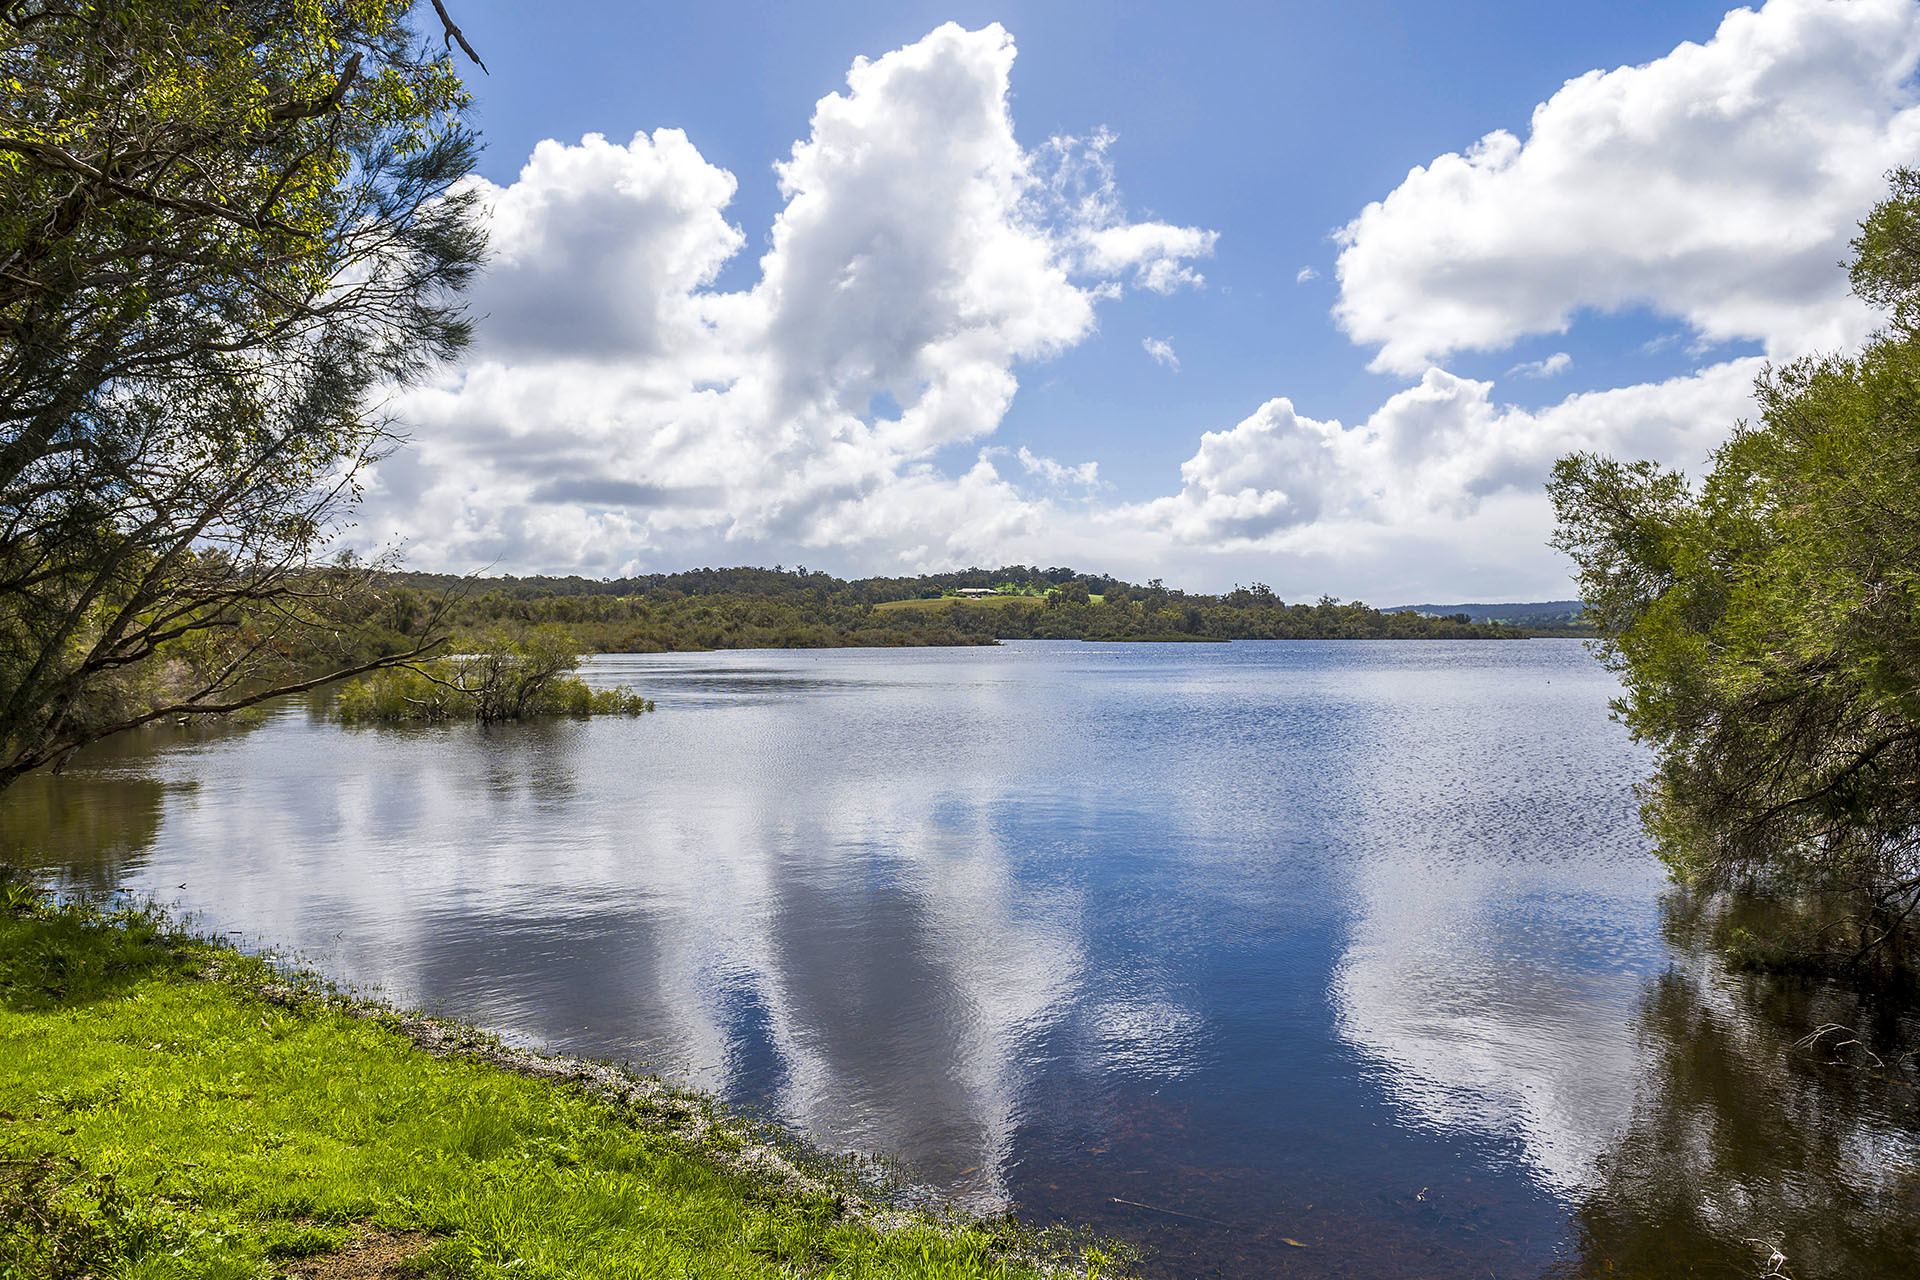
x=1294 y=959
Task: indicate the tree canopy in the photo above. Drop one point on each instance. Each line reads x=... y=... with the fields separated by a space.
x=223 y=227
x=1766 y=623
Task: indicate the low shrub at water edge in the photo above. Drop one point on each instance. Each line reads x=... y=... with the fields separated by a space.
x=404 y=694
x=572 y=697
x=397 y=694
x=508 y=679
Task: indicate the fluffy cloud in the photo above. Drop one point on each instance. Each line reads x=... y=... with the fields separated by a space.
x=1440 y=447
x=1078 y=194
x=643 y=220
x=1161 y=352
x=619 y=411
x=1718 y=184
x=1154 y=252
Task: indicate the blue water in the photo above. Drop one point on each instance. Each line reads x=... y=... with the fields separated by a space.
x=1302 y=959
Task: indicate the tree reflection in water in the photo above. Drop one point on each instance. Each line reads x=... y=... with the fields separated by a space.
x=90 y=826
x=93 y=825
x=1743 y=1145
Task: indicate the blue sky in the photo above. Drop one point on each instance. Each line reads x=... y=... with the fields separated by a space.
x=1243 y=138
x=1272 y=123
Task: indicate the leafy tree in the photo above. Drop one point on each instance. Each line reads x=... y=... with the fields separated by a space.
x=1766 y=624
x=223 y=226
x=1069 y=593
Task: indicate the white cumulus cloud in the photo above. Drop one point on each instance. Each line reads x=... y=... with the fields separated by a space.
x=573 y=216
x=1078 y=193
x=618 y=411
x=1718 y=185
x=1441 y=447
x=1059 y=474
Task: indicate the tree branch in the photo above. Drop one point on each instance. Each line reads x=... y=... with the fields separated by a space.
x=319 y=106
x=453 y=34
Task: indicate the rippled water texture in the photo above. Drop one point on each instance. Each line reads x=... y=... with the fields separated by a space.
x=1301 y=959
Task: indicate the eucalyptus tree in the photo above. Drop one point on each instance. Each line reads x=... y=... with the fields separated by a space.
x=225 y=228
x=1766 y=622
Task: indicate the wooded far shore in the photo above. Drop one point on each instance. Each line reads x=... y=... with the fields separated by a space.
x=782 y=608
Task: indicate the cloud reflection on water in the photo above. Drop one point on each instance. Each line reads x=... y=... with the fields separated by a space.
x=860 y=943
x=1502 y=927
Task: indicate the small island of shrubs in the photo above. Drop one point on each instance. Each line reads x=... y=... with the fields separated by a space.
x=509 y=679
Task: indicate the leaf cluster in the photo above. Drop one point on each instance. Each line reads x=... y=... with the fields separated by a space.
x=1766 y=622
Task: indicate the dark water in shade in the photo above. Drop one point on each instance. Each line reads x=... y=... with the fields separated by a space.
x=1217 y=947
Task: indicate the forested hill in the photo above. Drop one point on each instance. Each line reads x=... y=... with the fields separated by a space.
x=745 y=608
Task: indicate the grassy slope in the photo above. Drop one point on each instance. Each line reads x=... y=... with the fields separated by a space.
x=241 y=1132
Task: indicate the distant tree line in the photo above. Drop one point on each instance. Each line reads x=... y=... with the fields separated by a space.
x=779 y=608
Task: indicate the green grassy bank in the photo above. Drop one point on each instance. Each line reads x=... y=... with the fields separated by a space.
x=169 y=1108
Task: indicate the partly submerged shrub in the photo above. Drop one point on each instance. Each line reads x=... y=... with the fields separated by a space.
x=507 y=680
x=571 y=696
x=399 y=693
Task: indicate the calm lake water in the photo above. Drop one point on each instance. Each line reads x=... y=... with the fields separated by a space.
x=1292 y=959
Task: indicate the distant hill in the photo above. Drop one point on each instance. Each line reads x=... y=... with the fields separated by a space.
x=748 y=607
x=1545 y=613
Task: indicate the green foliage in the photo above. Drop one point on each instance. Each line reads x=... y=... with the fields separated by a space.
x=400 y=693
x=572 y=697
x=58 y=1222
x=75 y=954
x=222 y=226
x=1886 y=264
x=194 y=1127
x=18 y=892
x=509 y=679
x=1766 y=623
